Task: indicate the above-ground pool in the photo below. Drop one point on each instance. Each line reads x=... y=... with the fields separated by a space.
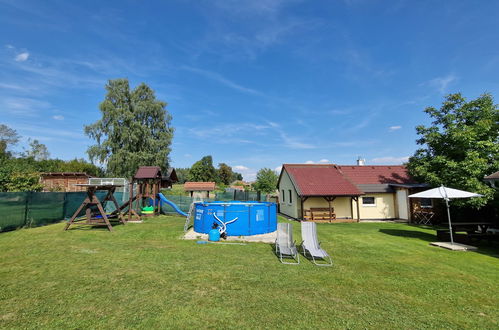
x=253 y=218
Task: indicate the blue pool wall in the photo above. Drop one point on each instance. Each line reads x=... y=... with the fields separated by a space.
x=254 y=218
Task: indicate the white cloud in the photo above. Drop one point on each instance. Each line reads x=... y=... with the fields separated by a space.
x=278 y=169
x=322 y=161
x=22 y=57
x=294 y=143
x=441 y=83
x=394 y=128
x=9 y=46
x=389 y=160
x=24 y=106
x=240 y=168
x=221 y=79
x=58 y=117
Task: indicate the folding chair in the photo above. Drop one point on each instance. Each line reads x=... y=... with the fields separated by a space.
x=284 y=244
x=311 y=245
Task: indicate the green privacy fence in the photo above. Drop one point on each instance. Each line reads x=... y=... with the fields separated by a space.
x=31 y=209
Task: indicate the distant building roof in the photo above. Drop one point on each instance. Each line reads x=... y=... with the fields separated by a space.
x=80 y=174
x=148 y=172
x=199 y=186
x=493 y=176
x=320 y=180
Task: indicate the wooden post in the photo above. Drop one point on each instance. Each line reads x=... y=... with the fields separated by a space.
x=329 y=199
x=351 y=206
x=358 y=208
x=302 y=200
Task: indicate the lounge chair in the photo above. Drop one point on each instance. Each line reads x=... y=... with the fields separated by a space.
x=284 y=244
x=311 y=245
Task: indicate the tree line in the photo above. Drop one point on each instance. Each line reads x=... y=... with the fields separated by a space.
x=20 y=171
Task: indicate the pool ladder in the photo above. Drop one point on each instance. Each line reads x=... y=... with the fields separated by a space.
x=189 y=214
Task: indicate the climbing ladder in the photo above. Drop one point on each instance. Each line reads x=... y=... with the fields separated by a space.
x=189 y=214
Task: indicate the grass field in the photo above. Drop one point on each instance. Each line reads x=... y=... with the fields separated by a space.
x=143 y=276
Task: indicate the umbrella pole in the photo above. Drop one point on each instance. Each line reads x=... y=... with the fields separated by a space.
x=450 y=225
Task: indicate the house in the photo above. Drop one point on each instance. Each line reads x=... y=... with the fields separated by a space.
x=63 y=181
x=346 y=192
x=170 y=178
x=493 y=179
x=199 y=189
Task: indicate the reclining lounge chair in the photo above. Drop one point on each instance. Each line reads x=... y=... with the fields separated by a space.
x=311 y=245
x=284 y=244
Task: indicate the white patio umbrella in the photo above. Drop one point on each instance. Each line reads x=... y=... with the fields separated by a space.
x=446 y=194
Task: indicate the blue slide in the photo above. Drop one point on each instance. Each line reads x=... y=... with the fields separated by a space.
x=175 y=207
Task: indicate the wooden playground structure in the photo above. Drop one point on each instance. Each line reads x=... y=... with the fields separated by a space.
x=147 y=182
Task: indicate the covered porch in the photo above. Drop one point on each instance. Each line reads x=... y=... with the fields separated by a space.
x=331 y=208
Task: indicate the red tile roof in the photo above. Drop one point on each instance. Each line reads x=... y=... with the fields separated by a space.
x=44 y=174
x=199 y=186
x=320 y=180
x=379 y=174
x=493 y=176
x=342 y=180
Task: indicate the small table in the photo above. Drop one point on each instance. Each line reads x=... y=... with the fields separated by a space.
x=91 y=199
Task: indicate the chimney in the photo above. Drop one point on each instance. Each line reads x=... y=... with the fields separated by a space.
x=361 y=161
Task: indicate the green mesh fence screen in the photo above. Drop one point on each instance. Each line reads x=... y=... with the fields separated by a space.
x=31 y=209
x=44 y=208
x=183 y=203
x=26 y=209
x=12 y=210
x=224 y=196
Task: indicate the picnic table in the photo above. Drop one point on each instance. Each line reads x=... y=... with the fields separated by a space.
x=99 y=218
x=472 y=229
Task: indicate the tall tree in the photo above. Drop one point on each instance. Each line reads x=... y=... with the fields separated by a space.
x=134 y=130
x=460 y=147
x=225 y=174
x=203 y=170
x=8 y=138
x=182 y=174
x=37 y=150
x=266 y=181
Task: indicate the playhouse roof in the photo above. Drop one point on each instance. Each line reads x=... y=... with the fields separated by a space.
x=199 y=186
x=148 y=172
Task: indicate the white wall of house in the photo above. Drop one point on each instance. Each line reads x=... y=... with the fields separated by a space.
x=383 y=207
x=288 y=206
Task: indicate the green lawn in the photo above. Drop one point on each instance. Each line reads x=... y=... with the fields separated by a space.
x=144 y=276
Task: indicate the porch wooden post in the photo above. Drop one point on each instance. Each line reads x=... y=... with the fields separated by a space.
x=329 y=199
x=358 y=208
x=351 y=206
x=302 y=200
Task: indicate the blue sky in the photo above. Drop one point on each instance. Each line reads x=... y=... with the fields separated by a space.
x=252 y=83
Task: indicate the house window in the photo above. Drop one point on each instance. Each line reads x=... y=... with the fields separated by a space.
x=290 y=197
x=426 y=203
x=368 y=201
x=283 y=196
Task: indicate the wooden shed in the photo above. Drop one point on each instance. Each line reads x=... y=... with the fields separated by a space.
x=63 y=181
x=199 y=189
